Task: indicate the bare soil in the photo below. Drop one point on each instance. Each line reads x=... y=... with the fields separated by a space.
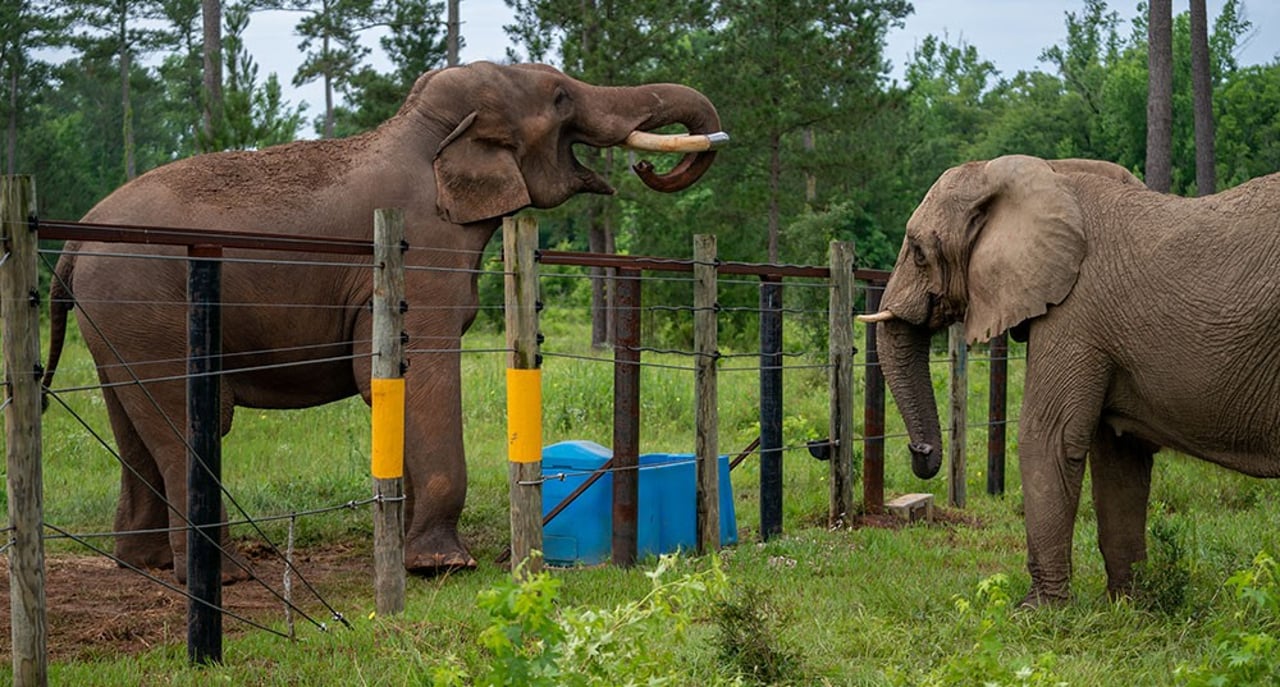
x=98 y=608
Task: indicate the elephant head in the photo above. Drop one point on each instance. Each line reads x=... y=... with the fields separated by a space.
x=507 y=135
x=994 y=244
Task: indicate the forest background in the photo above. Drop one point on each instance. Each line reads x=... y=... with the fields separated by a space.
x=825 y=144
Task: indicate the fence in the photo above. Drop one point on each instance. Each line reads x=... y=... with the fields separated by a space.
x=627 y=277
x=25 y=525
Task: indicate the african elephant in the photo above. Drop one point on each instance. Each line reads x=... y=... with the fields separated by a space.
x=1151 y=321
x=470 y=145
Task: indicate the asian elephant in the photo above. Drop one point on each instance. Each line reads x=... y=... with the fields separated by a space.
x=470 y=145
x=1151 y=321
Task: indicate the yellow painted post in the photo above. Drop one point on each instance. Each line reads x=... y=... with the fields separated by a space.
x=387 y=387
x=524 y=391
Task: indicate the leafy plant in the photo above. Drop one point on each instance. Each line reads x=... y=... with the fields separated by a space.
x=988 y=616
x=1247 y=644
x=530 y=643
x=1163 y=579
x=749 y=624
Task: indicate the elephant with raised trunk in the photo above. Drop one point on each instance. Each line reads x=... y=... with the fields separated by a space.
x=1151 y=321
x=470 y=145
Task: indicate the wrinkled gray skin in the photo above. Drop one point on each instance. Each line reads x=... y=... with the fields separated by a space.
x=470 y=145
x=1151 y=320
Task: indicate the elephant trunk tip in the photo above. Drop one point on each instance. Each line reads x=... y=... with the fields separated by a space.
x=925 y=460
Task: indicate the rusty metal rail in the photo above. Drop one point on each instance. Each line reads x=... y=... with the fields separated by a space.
x=169 y=236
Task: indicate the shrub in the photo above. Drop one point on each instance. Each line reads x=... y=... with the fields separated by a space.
x=1247 y=644
x=988 y=617
x=1163 y=579
x=531 y=643
x=750 y=624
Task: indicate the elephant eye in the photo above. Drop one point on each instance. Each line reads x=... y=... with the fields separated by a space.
x=917 y=255
x=563 y=102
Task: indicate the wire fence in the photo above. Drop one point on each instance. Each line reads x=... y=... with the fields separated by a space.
x=129 y=371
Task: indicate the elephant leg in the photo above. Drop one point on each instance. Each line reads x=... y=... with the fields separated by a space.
x=1120 y=467
x=435 y=478
x=1060 y=411
x=159 y=423
x=141 y=506
x=435 y=468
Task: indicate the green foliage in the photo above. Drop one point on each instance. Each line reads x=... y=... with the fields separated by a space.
x=253 y=115
x=415 y=43
x=1164 y=578
x=988 y=617
x=531 y=642
x=750 y=622
x=1246 y=648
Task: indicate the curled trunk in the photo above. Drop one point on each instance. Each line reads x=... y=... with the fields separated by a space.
x=661 y=104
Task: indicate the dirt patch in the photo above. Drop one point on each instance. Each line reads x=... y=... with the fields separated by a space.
x=98 y=608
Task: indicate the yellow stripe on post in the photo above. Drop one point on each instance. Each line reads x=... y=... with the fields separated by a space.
x=388 y=428
x=524 y=415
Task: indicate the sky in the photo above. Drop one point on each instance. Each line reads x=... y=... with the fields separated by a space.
x=1009 y=33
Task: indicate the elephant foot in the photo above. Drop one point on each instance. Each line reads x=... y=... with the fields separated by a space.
x=143 y=551
x=435 y=555
x=1121 y=592
x=430 y=565
x=1039 y=599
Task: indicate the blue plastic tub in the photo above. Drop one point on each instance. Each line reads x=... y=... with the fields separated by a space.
x=667 y=517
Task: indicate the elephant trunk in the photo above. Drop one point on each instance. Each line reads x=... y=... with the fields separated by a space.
x=646 y=108
x=904 y=358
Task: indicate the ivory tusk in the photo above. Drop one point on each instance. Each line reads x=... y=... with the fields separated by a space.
x=675 y=143
x=882 y=316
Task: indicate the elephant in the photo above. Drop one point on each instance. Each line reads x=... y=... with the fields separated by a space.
x=470 y=145
x=1151 y=321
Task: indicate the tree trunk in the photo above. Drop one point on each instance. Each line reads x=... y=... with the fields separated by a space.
x=11 y=138
x=775 y=176
x=211 y=12
x=1159 y=171
x=328 y=89
x=810 y=179
x=1202 y=95
x=453 y=29
x=126 y=105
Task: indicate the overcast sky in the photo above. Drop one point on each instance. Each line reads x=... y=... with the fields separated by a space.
x=1010 y=33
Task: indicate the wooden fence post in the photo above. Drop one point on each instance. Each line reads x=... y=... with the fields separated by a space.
x=626 y=418
x=997 y=411
x=204 y=456
x=959 y=356
x=20 y=307
x=705 y=343
x=388 y=391
x=524 y=391
x=840 y=338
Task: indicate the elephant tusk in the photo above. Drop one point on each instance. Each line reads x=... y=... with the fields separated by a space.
x=882 y=316
x=675 y=143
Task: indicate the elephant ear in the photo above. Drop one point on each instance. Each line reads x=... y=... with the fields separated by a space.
x=1028 y=246
x=476 y=178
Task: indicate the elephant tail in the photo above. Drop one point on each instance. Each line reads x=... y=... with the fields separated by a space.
x=60 y=303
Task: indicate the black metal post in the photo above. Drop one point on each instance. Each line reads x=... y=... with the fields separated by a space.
x=204 y=461
x=997 y=413
x=770 y=407
x=626 y=417
x=873 y=414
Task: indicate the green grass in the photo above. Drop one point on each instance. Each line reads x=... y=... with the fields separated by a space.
x=861 y=607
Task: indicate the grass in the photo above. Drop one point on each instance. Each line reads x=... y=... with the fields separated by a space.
x=854 y=607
